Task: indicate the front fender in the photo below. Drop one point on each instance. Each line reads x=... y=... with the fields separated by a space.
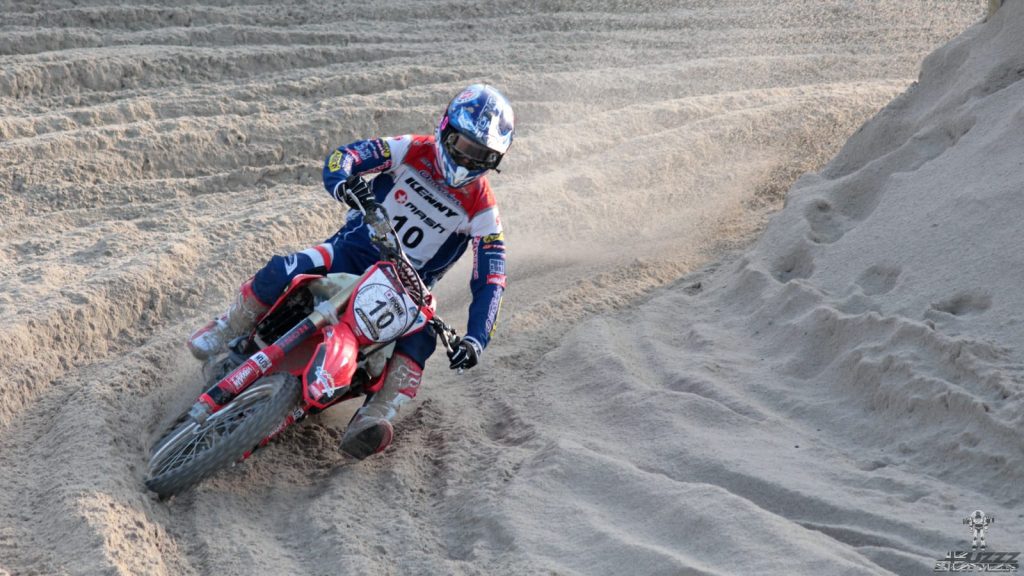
x=329 y=372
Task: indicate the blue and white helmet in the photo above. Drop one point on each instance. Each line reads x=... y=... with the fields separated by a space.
x=473 y=135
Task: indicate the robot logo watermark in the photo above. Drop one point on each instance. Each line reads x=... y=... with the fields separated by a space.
x=978 y=523
x=978 y=559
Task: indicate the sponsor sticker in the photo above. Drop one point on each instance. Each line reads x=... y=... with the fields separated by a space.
x=366 y=325
x=287 y=342
x=263 y=361
x=334 y=162
x=476 y=265
x=326 y=381
x=467 y=95
x=435 y=201
x=492 y=314
x=239 y=379
x=371 y=150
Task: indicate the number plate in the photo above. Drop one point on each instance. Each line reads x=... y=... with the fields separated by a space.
x=382 y=313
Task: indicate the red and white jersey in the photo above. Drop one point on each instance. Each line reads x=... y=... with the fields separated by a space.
x=435 y=222
x=426 y=213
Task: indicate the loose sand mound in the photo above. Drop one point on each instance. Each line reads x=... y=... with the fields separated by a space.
x=838 y=398
x=154 y=155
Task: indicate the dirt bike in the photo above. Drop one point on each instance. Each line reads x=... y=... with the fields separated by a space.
x=327 y=339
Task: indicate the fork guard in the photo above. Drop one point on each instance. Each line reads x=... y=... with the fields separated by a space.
x=328 y=375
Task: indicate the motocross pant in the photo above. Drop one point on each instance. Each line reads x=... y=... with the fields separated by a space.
x=334 y=256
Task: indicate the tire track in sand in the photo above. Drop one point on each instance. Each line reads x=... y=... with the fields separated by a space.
x=153 y=155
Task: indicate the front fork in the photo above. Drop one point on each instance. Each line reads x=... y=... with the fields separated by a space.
x=267 y=360
x=327 y=379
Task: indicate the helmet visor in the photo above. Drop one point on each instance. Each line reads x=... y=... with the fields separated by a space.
x=467 y=153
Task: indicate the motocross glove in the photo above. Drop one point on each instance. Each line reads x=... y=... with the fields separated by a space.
x=465 y=354
x=357 y=194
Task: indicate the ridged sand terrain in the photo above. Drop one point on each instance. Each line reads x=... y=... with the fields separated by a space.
x=665 y=394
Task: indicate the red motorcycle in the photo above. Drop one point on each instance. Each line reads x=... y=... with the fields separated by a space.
x=327 y=339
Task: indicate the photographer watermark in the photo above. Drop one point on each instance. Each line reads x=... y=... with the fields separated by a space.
x=978 y=559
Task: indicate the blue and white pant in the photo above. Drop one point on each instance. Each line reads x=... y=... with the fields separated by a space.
x=334 y=256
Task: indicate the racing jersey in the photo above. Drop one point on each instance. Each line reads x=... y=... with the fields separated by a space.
x=435 y=223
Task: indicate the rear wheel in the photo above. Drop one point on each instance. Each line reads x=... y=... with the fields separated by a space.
x=187 y=453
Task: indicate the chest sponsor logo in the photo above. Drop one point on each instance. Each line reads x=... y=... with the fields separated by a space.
x=430 y=198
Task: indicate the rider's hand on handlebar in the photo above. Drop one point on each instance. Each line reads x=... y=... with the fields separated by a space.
x=358 y=194
x=464 y=354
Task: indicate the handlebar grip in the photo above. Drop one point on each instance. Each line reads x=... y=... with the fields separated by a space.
x=446 y=333
x=370 y=213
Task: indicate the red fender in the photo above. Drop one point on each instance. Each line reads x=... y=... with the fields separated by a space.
x=330 y=370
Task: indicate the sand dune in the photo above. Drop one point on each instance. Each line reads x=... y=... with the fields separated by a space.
x=848 y=389
x=625 y=420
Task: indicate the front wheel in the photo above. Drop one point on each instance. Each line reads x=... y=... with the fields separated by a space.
x=188 y=452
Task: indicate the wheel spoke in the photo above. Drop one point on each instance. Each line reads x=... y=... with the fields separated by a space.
x=183 y=447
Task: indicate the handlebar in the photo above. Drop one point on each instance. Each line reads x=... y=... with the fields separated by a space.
x=446 y=333
x=384 y=235
x=386 y=239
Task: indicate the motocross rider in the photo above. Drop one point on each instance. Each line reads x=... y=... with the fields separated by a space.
x=436 y=193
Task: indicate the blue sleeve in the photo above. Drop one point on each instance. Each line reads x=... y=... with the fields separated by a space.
x=487 y=286
x=355 y=159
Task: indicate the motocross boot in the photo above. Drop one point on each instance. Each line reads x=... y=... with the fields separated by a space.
x=240 y=318
x=370 y=430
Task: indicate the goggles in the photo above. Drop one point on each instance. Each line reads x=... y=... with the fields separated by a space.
x=467 y=153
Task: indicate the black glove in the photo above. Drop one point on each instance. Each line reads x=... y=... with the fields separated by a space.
x=357 y=194
x=464 y=355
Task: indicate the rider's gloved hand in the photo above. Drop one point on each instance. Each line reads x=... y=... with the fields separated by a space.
x=465 y=354
x=357 y=194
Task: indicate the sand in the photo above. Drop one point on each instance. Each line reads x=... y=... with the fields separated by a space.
x=678 y=386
